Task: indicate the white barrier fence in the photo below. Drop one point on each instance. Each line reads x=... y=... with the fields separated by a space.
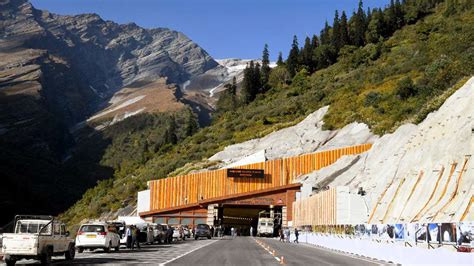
x=387 y=251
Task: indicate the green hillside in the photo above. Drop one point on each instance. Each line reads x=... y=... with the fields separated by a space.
x=395 y=80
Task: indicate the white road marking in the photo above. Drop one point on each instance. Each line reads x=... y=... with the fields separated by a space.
x=182 y=255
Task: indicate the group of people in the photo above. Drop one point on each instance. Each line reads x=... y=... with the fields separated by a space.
x=132 y=234
x=285 y=235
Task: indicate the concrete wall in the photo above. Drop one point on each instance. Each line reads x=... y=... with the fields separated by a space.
x=351 y=208
x=143 y=201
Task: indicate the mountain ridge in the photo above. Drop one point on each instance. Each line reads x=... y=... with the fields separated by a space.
x=58 y=71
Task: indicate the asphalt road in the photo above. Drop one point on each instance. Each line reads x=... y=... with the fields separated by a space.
x=228 y=251
x=148 y=254
x=244 y=251
x=304 y=254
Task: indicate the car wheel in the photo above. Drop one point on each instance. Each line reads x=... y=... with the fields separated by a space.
x=70 y=253
x=117 y=248
x=80 y=250
x=195 y=238
x=208 y=237
x=46 y=258
x=9 y=261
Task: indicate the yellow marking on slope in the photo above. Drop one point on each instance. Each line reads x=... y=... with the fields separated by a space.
x=411 y=193
x=467 y=209
x=393 y=200
x=419 y=214
x=455 y=192
x=451 y=172
x=379 y=200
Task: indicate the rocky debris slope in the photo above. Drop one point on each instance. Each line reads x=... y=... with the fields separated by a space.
x=305 y=137
x=156 y=96
x=420 y=173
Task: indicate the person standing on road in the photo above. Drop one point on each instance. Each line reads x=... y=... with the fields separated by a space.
x=138 y=236
x=280 y=233
x=128 y=233
x=296 y=235
x=232 y=232
x=251 y=231
x=287 y=235
x=134 y=236
x=212 y=231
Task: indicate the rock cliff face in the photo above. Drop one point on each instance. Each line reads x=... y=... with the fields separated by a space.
x=58 y=71
x=420 y=173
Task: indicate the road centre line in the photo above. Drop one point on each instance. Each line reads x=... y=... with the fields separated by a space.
x=269 y=252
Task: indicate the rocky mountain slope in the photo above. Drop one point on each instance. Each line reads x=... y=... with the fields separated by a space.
x=419 y=173
x=60 y=73
x=307 y=136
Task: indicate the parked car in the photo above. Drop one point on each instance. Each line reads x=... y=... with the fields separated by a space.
x=177 y=233
x=121 y=231
x=38 y=238
x=202 y=230
x=145 y=234
x=97 y=235
x=187 y=232
x=159 y=232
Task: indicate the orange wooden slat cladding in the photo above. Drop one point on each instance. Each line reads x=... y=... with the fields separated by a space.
x=319 y=209
x=172 y=191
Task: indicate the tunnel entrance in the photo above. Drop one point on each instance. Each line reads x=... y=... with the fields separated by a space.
x=244 y=217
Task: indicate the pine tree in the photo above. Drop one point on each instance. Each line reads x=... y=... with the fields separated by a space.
x=171 y=132
x=280 y=59
x=344 y=30
x=247 y=86
x=307 y=54
x=252 y=82
x=292 y=61
x=233 y=87
x=257 y=80
x=325 y=36
x=314 y=42
x=228 y=98
x=358 y=26
x=336 y=32
x=376 y=28
x=399 y=14
x=265 y=65
x=314 y=46
x=390 y=18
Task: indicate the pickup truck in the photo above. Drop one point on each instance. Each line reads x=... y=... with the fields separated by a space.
x=39 y=238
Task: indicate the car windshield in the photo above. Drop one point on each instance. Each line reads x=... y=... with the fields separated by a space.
x=203 y=226
x=92 y=228
x=32 y=227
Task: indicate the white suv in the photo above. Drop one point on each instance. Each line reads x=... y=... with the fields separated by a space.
x=97 y=235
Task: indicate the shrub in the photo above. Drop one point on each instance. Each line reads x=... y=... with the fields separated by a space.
x=405 y=88
x=372 y=99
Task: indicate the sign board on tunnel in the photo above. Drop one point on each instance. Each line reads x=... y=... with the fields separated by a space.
x=248 y=173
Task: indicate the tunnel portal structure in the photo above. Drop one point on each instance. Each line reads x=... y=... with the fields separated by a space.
x=234 y=196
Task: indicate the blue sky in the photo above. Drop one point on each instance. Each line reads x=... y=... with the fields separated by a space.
x=224 y=28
